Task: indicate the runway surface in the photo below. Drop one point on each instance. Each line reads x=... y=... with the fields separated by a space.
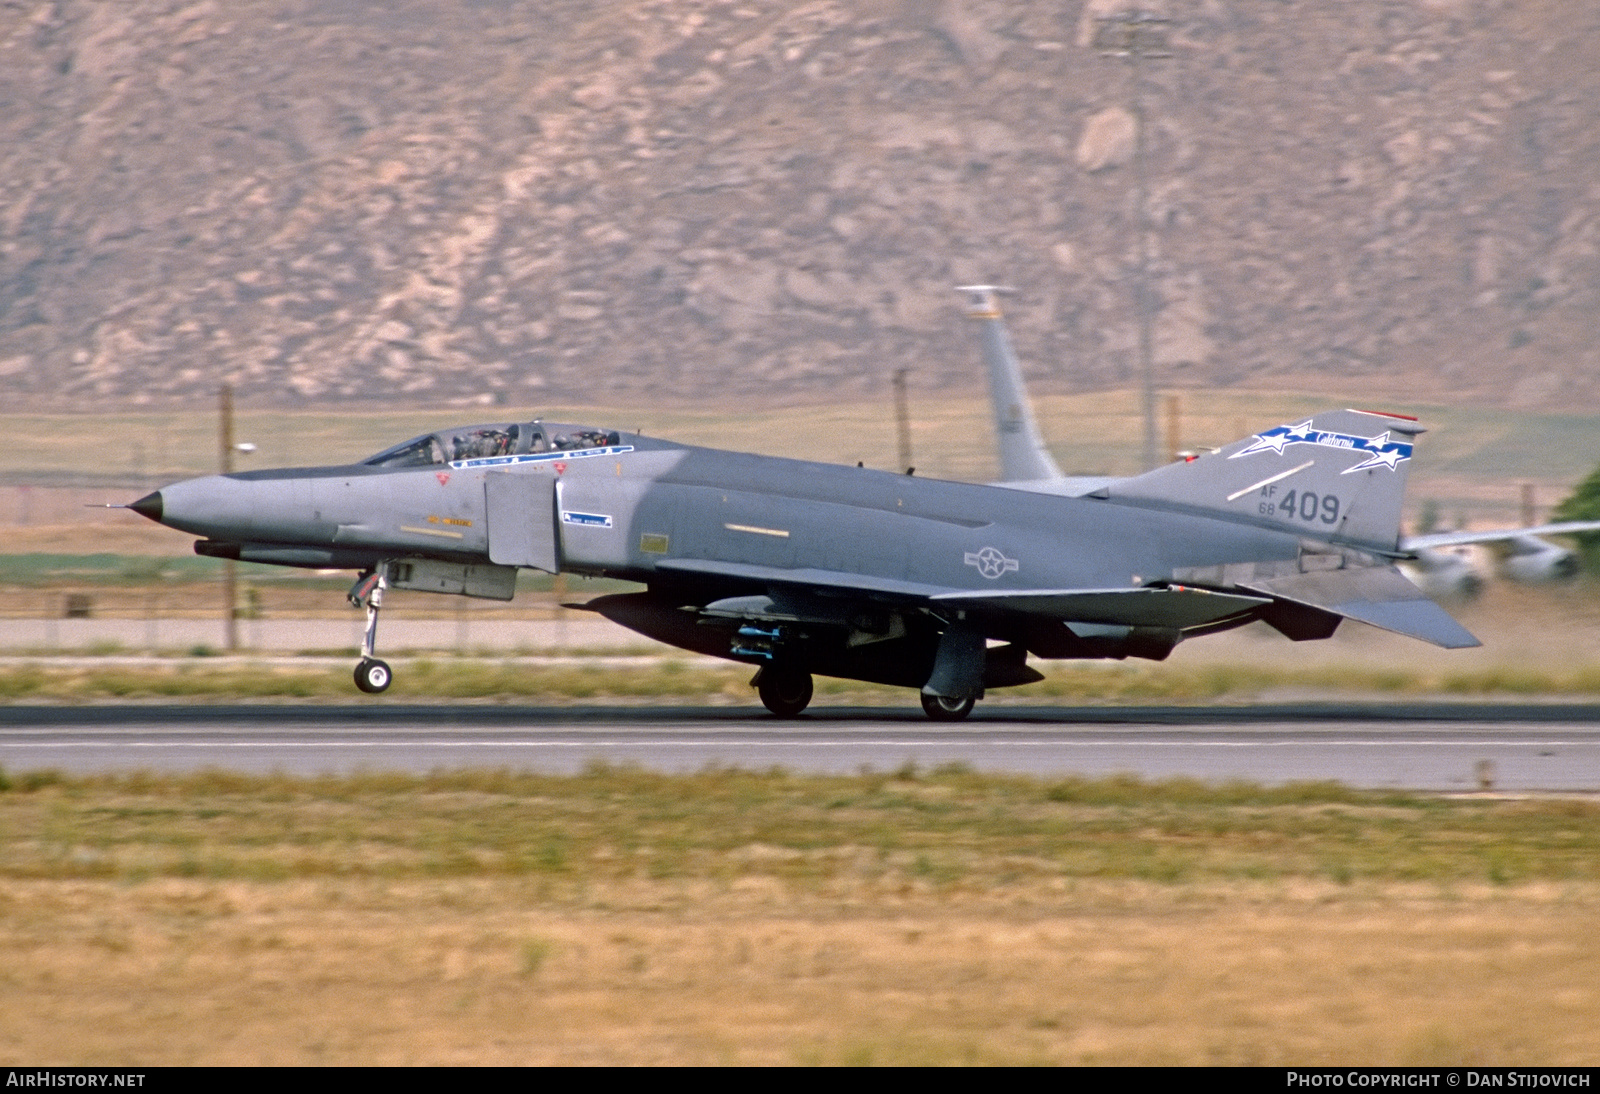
x=1439 y=746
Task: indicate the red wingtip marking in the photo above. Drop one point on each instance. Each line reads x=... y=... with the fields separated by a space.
x=1387 y=414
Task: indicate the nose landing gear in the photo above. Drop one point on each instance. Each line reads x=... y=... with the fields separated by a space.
x=372 y=676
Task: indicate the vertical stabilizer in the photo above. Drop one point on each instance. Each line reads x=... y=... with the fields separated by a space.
x=1023 y=456
x=1338 y=475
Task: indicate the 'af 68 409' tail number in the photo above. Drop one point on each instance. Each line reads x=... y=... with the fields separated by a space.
x=1302 y=505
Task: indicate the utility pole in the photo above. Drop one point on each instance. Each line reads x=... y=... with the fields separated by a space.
x=902 y=419
x=230 y=568
x=1137 y=36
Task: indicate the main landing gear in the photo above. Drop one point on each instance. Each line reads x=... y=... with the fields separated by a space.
x=372 y=676
x=941 y=708
x=784 y=691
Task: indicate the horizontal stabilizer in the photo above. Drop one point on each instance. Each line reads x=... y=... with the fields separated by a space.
x=1380 y=596
x=1178 y=607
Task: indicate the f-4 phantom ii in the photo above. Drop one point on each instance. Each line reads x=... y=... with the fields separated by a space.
x=1429 y=560
x=800 y=568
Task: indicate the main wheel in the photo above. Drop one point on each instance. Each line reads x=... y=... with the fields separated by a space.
x=943 y=709
x=373 y=676
x=785 y=692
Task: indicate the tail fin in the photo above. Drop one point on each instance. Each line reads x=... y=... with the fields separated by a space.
x=1023 y=456
x=1338 y=475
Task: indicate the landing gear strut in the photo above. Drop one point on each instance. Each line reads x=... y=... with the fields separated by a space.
x=784 y=691
x=957 y=678
x=372 y=675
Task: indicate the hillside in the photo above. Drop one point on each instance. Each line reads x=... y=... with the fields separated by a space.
x=501 y=200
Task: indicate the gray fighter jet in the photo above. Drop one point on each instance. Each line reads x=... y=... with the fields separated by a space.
x=801 y=568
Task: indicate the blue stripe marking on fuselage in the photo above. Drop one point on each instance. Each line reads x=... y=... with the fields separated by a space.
x=588 y=520
x=543 y=457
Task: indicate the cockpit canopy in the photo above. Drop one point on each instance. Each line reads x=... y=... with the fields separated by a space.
x=481 y=441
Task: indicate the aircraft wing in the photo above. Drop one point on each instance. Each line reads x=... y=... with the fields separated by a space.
x=1178 y=606
x=1412 y=544
x=1380 y=596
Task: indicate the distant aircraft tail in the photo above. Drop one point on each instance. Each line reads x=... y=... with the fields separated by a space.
x=1023 y=456
x=1339 y=475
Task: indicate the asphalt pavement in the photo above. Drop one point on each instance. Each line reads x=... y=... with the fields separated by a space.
x=1465 y=747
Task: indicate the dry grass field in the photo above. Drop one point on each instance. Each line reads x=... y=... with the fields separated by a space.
x=906 y=918
x=185 y=971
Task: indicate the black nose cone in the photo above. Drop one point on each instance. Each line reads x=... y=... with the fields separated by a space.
x=149 y=506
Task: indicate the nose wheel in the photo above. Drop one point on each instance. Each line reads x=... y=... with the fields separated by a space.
x=372 y=676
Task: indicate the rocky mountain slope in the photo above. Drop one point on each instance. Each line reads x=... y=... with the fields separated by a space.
x=613 y=200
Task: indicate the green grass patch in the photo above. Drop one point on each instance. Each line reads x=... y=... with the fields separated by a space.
x=201 y=675
x=39 y=569
x=937 y=830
